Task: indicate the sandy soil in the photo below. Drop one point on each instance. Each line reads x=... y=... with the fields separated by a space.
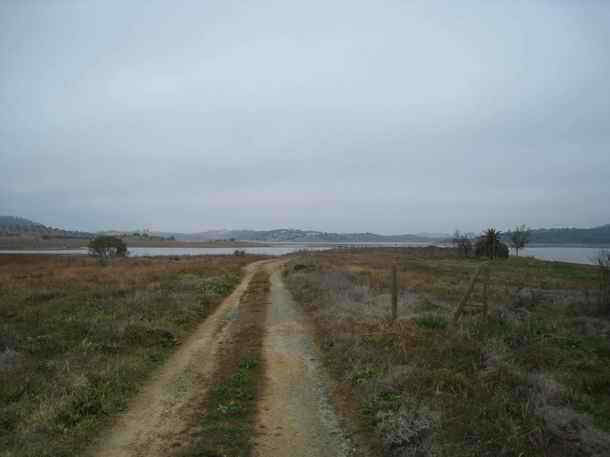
x=295 y=415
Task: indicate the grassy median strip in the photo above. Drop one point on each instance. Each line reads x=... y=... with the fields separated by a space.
x=226 y=427
x=77 y=340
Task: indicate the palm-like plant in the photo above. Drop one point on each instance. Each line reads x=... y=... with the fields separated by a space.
x=491 y=238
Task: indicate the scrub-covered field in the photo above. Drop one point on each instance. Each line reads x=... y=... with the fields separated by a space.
x=532 y=378
x=78 y=339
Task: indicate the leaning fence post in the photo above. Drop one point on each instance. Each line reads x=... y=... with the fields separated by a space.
x=394 y=293
x=464 y=300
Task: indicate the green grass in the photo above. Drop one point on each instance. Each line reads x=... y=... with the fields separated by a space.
x=84 y=338
x=432 y=321
x=226 y=426
x=223 y=429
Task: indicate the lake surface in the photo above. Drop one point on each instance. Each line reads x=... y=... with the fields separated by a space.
x=584 y=255
x=144 y=252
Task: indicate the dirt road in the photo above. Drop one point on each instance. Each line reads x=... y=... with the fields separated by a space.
x=295 y=416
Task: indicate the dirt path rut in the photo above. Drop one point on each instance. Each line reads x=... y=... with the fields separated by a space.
x=295 y=416
x=159 y=418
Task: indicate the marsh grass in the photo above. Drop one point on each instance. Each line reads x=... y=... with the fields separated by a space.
x=531 y=378
x=86 y=337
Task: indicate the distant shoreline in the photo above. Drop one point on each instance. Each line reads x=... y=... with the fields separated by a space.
x=569 y=245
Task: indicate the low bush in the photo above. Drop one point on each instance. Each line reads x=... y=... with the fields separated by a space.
x=105 y=247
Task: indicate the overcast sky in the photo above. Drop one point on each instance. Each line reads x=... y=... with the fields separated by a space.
x=384 y=116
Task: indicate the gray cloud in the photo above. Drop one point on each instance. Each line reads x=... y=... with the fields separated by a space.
x=342 y=116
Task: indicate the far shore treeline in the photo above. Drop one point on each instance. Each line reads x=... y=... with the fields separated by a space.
x=596 y=235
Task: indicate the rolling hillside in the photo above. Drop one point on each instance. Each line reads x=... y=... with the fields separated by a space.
x=12 y=226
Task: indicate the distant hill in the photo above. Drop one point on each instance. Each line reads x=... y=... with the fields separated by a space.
x=295 y=235
x=17 y=222
x=19 y=226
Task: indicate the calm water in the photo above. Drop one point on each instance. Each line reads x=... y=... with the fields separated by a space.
x=583 y=255
x=141 y=252
x=562 y=254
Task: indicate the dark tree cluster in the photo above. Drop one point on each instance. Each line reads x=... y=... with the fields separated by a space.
x=488 y=244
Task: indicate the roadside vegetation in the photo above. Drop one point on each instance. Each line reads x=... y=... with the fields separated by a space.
x=227 y=425
x=530 y=378
x=77 y=340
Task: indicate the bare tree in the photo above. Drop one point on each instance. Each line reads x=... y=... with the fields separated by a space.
x=463 y=243
x=520 y=237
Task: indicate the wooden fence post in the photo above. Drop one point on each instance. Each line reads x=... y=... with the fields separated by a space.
x=485 y=290
x=394 y=293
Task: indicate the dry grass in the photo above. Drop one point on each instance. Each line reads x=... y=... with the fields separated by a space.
x=77 y=339
x=532 y=378
x=59 y=271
